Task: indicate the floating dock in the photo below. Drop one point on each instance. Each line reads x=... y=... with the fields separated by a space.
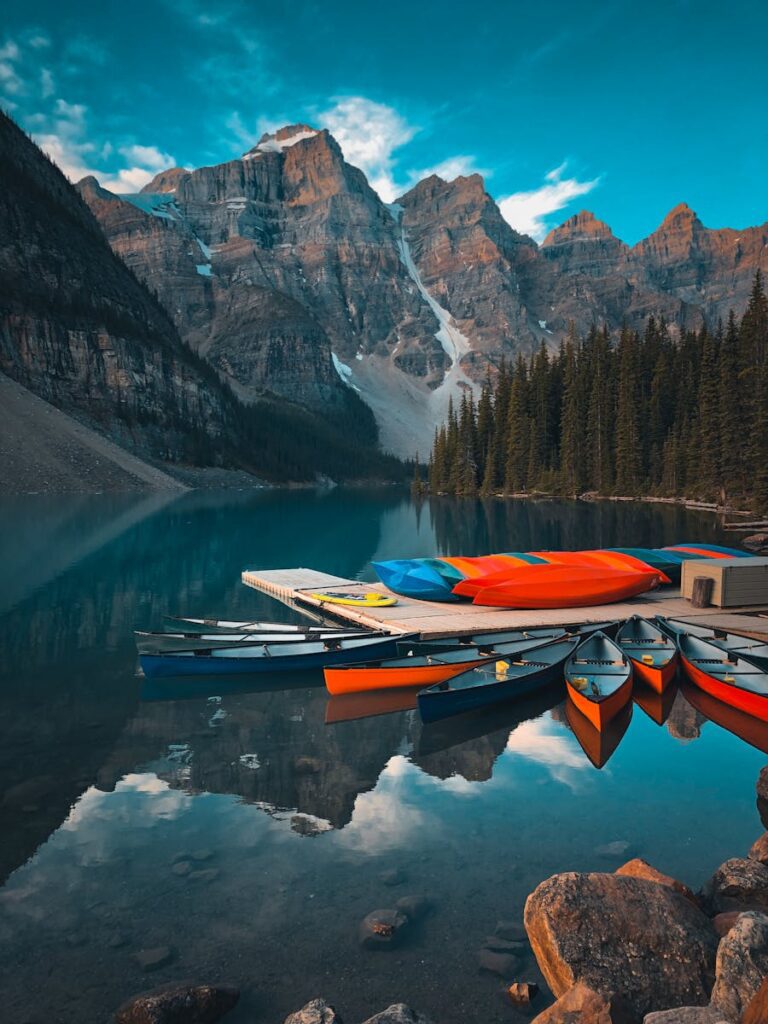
x=433 y=620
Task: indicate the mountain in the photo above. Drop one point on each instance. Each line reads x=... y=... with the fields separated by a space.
x=81 y=331
x=286 y=271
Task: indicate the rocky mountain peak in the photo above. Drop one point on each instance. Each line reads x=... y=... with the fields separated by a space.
x=282 y=139
x=583 y=226
x=167 y=181
x=91 y=190
x=680 y=214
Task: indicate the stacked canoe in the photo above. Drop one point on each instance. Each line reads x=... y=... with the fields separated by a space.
x=544 y=579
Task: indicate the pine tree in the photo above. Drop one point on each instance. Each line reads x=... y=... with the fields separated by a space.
x=571 y=421
x=517 y=441
x=627 y=417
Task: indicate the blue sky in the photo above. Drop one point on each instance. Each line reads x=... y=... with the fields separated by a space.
x=623 y=108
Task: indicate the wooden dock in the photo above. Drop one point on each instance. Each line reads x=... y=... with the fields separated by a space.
x=433 y=620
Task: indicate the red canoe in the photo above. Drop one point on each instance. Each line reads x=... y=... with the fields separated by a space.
x=565 y=586
x=733 y=680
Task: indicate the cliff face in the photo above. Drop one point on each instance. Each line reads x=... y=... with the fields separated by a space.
x=288 y=273
x=79 y=329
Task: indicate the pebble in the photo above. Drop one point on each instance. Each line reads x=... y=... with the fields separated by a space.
x=414 y=907
x=617 y=848
x=381 y=929
x=117 y=940
x=183 y=867
x=503 y=964
x=522 y=992
x=203 y=854
x=511 y=930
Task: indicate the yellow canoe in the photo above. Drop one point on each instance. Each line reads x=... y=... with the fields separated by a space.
x=370 y=600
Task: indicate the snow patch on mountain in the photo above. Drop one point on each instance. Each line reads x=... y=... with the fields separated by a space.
x=158 y=204
x=344 y=371
x=275 y=145
x=454 y=343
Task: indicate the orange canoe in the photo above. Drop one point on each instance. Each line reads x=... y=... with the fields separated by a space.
x=611 y=559
x=565 y=586
x=598 y=678
x=483 y=564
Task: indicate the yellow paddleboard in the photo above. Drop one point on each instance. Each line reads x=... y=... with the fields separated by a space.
x=370 y=600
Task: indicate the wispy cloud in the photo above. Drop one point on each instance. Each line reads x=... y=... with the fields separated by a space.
x=528 y=212
x=369 y=133
x=63 y=129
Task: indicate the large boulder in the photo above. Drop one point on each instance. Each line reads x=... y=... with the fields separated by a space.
x=182 y=1003
x=759 y=849
x=742 y=965
x=757 y=1011
x=315 y=1012
x=398 y=1013
x=738 y=884
x=686 y=1015
x=639 y=868
x=762 y=795
x=617 y=934
x=582 y=1005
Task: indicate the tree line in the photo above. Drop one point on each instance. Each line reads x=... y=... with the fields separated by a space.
x=643 y=413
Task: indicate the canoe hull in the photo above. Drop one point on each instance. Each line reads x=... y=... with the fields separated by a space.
x=601 y=712
x=574 y=588
x=158 y=666
x=352 y=680
x=751 y=703
x=434 y=706
x=657 y=677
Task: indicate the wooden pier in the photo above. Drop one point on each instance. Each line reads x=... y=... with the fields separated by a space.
x=433 y=620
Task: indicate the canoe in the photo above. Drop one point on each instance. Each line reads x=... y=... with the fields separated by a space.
x=727 y=676
x=752 y=730
x=697 y=552
x=283 y=657
x=167 y=643
x=416 y=669
x=715 y=548
x=498 y=680
x=176 y=624
x=652 y=653
x=485 y=641
x=599 y=679
x=747 y=647
x=658 y=706
x=372 y=599
x=612 y=559
x=349 y=707
x=410 y=578
x=565 y=586
x=598 y=744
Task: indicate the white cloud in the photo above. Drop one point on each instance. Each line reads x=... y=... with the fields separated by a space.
x=47 y=86
x=369 y=133
x=527 y=212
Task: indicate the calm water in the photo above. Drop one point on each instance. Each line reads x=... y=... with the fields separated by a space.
x=296 y=818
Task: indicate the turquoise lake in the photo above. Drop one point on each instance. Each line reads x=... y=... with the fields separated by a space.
x=298 y=824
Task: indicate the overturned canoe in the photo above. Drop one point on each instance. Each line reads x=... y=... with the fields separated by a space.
x=283 y=657
x=599 y=679
x=730 y=678
x=565 y=586
x=410 y=577
x=497 y=680
x=652 y=653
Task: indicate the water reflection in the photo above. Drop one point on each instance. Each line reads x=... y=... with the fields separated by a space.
x=297 y=803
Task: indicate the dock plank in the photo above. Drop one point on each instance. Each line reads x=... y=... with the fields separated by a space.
x=435 y=620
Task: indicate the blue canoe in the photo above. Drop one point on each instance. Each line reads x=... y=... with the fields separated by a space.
x=715 y=548
x=412 y=577
x=494 y=682
x=279 y=657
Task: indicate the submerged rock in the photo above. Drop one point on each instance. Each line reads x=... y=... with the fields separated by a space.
x=639 y=868
x=414 y=907
x=315 y=1012
x=620 y=934
x=181 y=1003
x=742 y=964
x=153 y=959
x=393 y=876
x=182 y=868
x=617 y=848
x=738 y=884
x=582 y=1005
x=762 y=795
x=513 y=931
x=381 y=929
x=492 y=962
